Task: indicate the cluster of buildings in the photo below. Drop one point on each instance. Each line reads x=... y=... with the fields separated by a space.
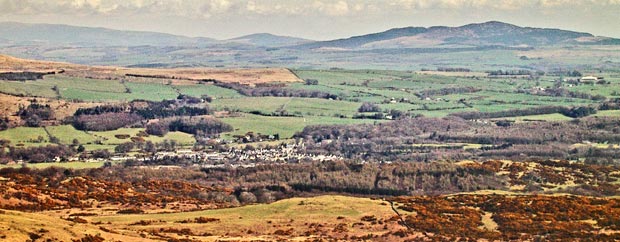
x=288 y=153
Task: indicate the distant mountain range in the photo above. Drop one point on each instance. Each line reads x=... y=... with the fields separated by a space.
x=86 y=36
x=482 y=34
x=269 y=40
x=472 y=35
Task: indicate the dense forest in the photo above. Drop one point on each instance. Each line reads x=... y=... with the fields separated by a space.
x=112 y=117
x=24 y=76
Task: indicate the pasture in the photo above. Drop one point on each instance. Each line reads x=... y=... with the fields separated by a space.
x=429 y=93
x=286 y=127
x=25 y=136
x=111 y=137
x=29 y=136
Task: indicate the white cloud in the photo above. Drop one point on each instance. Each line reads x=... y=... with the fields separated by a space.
x=193 y=8
x=197 y=8
x=495 y=4
x=270 y=7
x=331 y=8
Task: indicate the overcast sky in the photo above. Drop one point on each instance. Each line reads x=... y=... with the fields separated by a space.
x=314 y=19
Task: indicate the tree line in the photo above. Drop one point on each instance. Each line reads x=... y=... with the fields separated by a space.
x=446 y=91
x=276 y=91
x=24 y=76
x=573 y=112
x=562 y=92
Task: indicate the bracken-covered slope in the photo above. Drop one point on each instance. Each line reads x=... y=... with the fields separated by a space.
x=247 y=76
x=24 y=226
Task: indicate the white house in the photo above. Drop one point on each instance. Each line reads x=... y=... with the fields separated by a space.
x=590 y=79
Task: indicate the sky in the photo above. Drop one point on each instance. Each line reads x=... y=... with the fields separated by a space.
x=312 y=19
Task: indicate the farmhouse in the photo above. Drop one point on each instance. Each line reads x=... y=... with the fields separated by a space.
x=590 y=79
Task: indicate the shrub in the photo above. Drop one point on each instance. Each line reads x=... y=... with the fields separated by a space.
x=4 y=123
x=124 y=147
x=157 y=128
x=130 y=211
x=369 y=107
x=312 y=82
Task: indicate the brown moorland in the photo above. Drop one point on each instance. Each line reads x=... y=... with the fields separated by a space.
x=9 y=106
x=243 y=76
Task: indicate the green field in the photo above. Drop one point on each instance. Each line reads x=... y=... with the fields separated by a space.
x=607 y=113
x=295 y=106
x=27 y=88
x=66 y=133
x=208 y=89
x=352 y=86
x=493 y=95
x=137 y=91
x=543 y=117
x=150 y=91
x=108 y=137
x=322 y=208
x=390 y=90
x=285 y=126
x=26 y=136
x=87 y=84
x=86 y=89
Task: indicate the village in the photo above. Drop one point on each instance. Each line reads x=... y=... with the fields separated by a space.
x=233 y=157
x=285 y=153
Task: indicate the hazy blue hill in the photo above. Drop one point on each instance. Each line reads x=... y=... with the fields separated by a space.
x=499 y=33
x=86 y=36
x=400 y=48
x=472 y=35
x=358 y=41
x=269 y=40
x=492 y=33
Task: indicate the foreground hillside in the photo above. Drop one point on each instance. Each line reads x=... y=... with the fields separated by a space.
x=493 y=200
x=488 y=217
x=23 y=226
